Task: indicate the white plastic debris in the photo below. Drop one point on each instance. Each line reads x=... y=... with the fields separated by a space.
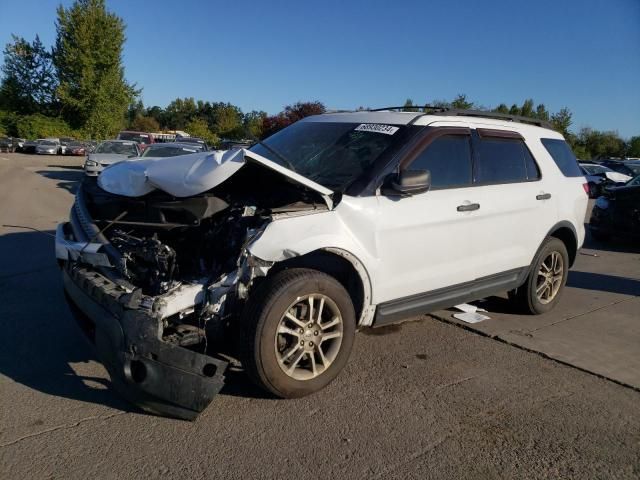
x=471 y=317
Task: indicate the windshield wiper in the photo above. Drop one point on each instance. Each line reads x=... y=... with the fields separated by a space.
x=279 y=155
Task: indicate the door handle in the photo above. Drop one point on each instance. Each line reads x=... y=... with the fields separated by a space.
x=469 y=207
x=543 y=196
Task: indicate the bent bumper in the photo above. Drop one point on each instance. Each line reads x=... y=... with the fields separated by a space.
x=159 y=377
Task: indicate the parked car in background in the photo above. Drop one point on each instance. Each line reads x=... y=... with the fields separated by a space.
x=235 y=144
x=196 y=140
x=8 y=144
x=76 y=148
x=172 y=149
x=143 y=139
x=108 y=153
x=30 y=145
x=617 y=212
x=337 y=222
x=48 y=147
x=626 y=167
x=599 y=176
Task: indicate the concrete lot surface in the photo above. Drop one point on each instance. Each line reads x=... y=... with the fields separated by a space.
x=425 y=399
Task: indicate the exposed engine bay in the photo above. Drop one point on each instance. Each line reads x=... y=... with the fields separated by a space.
x=164 y=240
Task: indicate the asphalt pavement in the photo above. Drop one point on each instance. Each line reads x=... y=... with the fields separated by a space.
x=424 y=399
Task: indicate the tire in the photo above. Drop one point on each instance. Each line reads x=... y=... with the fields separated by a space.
x=265 y=351
x=527 y=297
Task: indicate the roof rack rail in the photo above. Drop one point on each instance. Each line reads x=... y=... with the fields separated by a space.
x=496 y=115
x=410 y=108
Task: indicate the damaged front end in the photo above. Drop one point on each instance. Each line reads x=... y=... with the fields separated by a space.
x=157 y=281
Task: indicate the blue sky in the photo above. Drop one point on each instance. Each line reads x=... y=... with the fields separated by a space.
x=583 y=54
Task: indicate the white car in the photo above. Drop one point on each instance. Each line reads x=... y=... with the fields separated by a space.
x=338 y=222
x=107 y=153
x=599 y=176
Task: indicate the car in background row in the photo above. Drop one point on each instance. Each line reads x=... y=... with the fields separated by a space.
x=627 y=167
x=617 y=212
x=599 y=177
x=76 y=148
x=143 y=139
x=48 y=147
x=161 y=150
x=10 y=144
x=196 y=140
x=108 y=153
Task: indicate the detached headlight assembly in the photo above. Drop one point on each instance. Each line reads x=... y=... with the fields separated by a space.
x=602 y=203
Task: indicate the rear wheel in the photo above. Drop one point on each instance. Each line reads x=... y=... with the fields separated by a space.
x=297 y=332
x=547 y=278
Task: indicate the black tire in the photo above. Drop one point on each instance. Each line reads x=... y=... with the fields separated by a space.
x=525 y=297
x=262 y=316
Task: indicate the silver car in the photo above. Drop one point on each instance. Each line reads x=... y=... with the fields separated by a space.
x=48 y=147
x=108 y=153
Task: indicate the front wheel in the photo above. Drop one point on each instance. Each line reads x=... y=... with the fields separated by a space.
x=548 y=275
x=297 y=332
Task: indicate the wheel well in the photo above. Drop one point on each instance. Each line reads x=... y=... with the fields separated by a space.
x=334 y=265
x=566 y=235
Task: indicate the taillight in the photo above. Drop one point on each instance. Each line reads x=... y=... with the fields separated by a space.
x=586 y=188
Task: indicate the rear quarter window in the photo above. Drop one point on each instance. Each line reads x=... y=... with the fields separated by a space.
x=561 y=153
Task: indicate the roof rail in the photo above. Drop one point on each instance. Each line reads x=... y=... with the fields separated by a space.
x=410 y=108
x=496 y=115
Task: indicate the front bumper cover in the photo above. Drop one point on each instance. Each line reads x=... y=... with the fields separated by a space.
x=157 y=376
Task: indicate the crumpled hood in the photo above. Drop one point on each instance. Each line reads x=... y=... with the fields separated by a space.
x=188 y=175
x=617 y=177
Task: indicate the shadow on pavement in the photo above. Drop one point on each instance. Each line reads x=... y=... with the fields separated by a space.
x=69 y=179
x=603 y=282
x=614 y=244
x=40 y=340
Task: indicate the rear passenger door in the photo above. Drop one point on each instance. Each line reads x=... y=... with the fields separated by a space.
x=517 y=207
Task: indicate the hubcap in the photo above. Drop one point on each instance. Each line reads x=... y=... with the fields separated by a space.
x=309 y=336
x=550 y=277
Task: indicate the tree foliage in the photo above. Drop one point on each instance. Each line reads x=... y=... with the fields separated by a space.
x=199 y=128
x=144 y=124
x=291 y=114
x=29 y=79
x=92 y=89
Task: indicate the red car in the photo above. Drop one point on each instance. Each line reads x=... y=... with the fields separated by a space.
x=76 y=148
x=143 y=139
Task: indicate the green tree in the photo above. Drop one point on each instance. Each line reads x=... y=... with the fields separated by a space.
x=502 y=108
x=145 y=124
x=88 y=57
x=199 y=128
x=253 y=124
x=633 y=147
x=180 y=112
x=408 y=106
x=40 y=126
x=562 y=120
x=29 y=80
x=227 y=121
x=461 y=102
x=541 y=112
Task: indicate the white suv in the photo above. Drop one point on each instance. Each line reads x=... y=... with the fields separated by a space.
x=340 y=221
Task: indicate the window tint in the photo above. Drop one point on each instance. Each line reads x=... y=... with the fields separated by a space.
x=504 y=160
x=448 y=159
x=563 y=156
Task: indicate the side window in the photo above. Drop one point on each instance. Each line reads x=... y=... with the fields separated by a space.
x=504 y=160
x=448 y=158
x=563 y=156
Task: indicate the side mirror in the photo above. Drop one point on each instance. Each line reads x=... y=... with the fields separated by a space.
x=407 y=183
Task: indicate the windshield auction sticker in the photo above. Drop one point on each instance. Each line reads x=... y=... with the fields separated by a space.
x=377 y=128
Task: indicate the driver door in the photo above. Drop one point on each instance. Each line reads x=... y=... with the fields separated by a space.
x=425 y=240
